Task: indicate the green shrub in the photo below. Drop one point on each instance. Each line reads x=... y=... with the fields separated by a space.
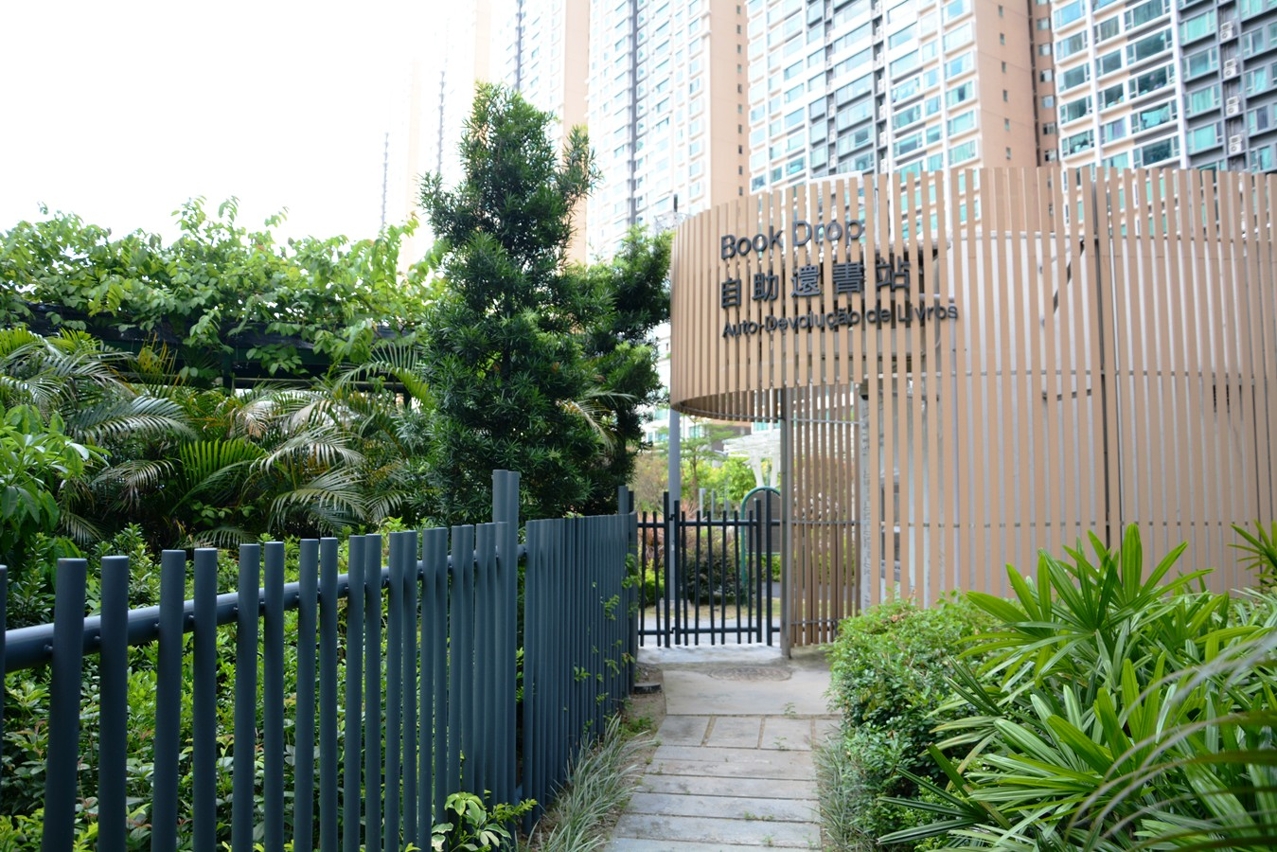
x=1118 y=709
x=889 y=673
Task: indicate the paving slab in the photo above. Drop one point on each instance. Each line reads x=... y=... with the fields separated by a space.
x=720 y=769
x=683 y=730
x=741 y=832
x=733 y=769
x=709 y=786
x=647 y=844
x=785 y=734
x=699 y=692
x=727 y=807
x=735 y=732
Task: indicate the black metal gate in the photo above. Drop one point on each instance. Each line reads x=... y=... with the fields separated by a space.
x=712 y=578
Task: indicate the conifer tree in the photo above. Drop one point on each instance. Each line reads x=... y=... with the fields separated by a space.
x=503 y=351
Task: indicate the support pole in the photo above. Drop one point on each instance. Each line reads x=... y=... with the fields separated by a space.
x=787 y=519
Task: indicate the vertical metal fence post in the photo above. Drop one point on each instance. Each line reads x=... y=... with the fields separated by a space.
x=372 y=694
x=204 y=701
x=304 y=726
x=168 y=702
x=478 y=762
x=354 y=696
x=505 y=510
x=273 y=701
x=531 y=678
x=411 y=666
x=433 y=732
x=328 y=754
x=394 y=691
x=460 y=655
x=64 y=707
x=244 y=773
x=113 y=698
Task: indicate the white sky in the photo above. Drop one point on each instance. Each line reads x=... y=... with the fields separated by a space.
x=120 y=110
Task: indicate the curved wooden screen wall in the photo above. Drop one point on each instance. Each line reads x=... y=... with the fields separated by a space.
x=1031 y=355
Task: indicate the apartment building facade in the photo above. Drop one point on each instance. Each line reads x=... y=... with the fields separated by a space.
x=1158 y=82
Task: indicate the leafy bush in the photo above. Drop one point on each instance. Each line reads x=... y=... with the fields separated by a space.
x=1115 y=711
x=889 y=671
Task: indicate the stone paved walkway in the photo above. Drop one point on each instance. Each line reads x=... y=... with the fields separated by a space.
x=734 y=768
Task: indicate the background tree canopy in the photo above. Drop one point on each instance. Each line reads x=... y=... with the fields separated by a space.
x=403 y=391
x=224 y=299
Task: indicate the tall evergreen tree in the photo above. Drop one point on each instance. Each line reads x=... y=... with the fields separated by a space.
x=503 y=350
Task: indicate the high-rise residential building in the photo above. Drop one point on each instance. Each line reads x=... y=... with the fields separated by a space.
x=1157 y=82
x=883 y=85
x=667 y=100
x=662 y=92
x=691 y=102
x=544 y=53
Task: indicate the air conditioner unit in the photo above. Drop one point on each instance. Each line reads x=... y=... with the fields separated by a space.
x=882 y=140
x=1233 y=106
x=1227 y=30
x=1231 y=68
x=879 y=61
x=1235 y=143
x=880 y=86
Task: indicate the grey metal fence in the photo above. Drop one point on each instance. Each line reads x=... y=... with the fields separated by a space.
x=709 y=578
x=421 y=647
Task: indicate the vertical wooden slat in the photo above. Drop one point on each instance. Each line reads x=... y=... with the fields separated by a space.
x=1019 y=383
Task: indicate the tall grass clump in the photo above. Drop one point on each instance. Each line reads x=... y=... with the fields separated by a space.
x=598 y=788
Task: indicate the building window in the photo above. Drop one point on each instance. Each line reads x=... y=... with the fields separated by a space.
x=1077 y=143
x=1113 y=131
x=1071 y=45
x=962 y=153
x=1148 y=47
x=1108 y=63
x=1203 y=138
x=1154 y=116
x=1074 y=77
x=1068 y=14
x=1107 y=29
x=1260 y=120
x=1260 y=159
x=1201 y=62
x=1257 y=80
x=1203 y=100
x=1198 y=26
x=1151 y=81
x=1073 y=110
x=1156 y=152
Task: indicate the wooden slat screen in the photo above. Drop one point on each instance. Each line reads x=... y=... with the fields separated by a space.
x=1103 y=360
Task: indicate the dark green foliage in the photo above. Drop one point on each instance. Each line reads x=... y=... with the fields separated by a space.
x=218 y=293
x=504 y=355
x=1118 y=709
x=127 y=440
x=633 y=297
x=889 y=674
x=1262 y=549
